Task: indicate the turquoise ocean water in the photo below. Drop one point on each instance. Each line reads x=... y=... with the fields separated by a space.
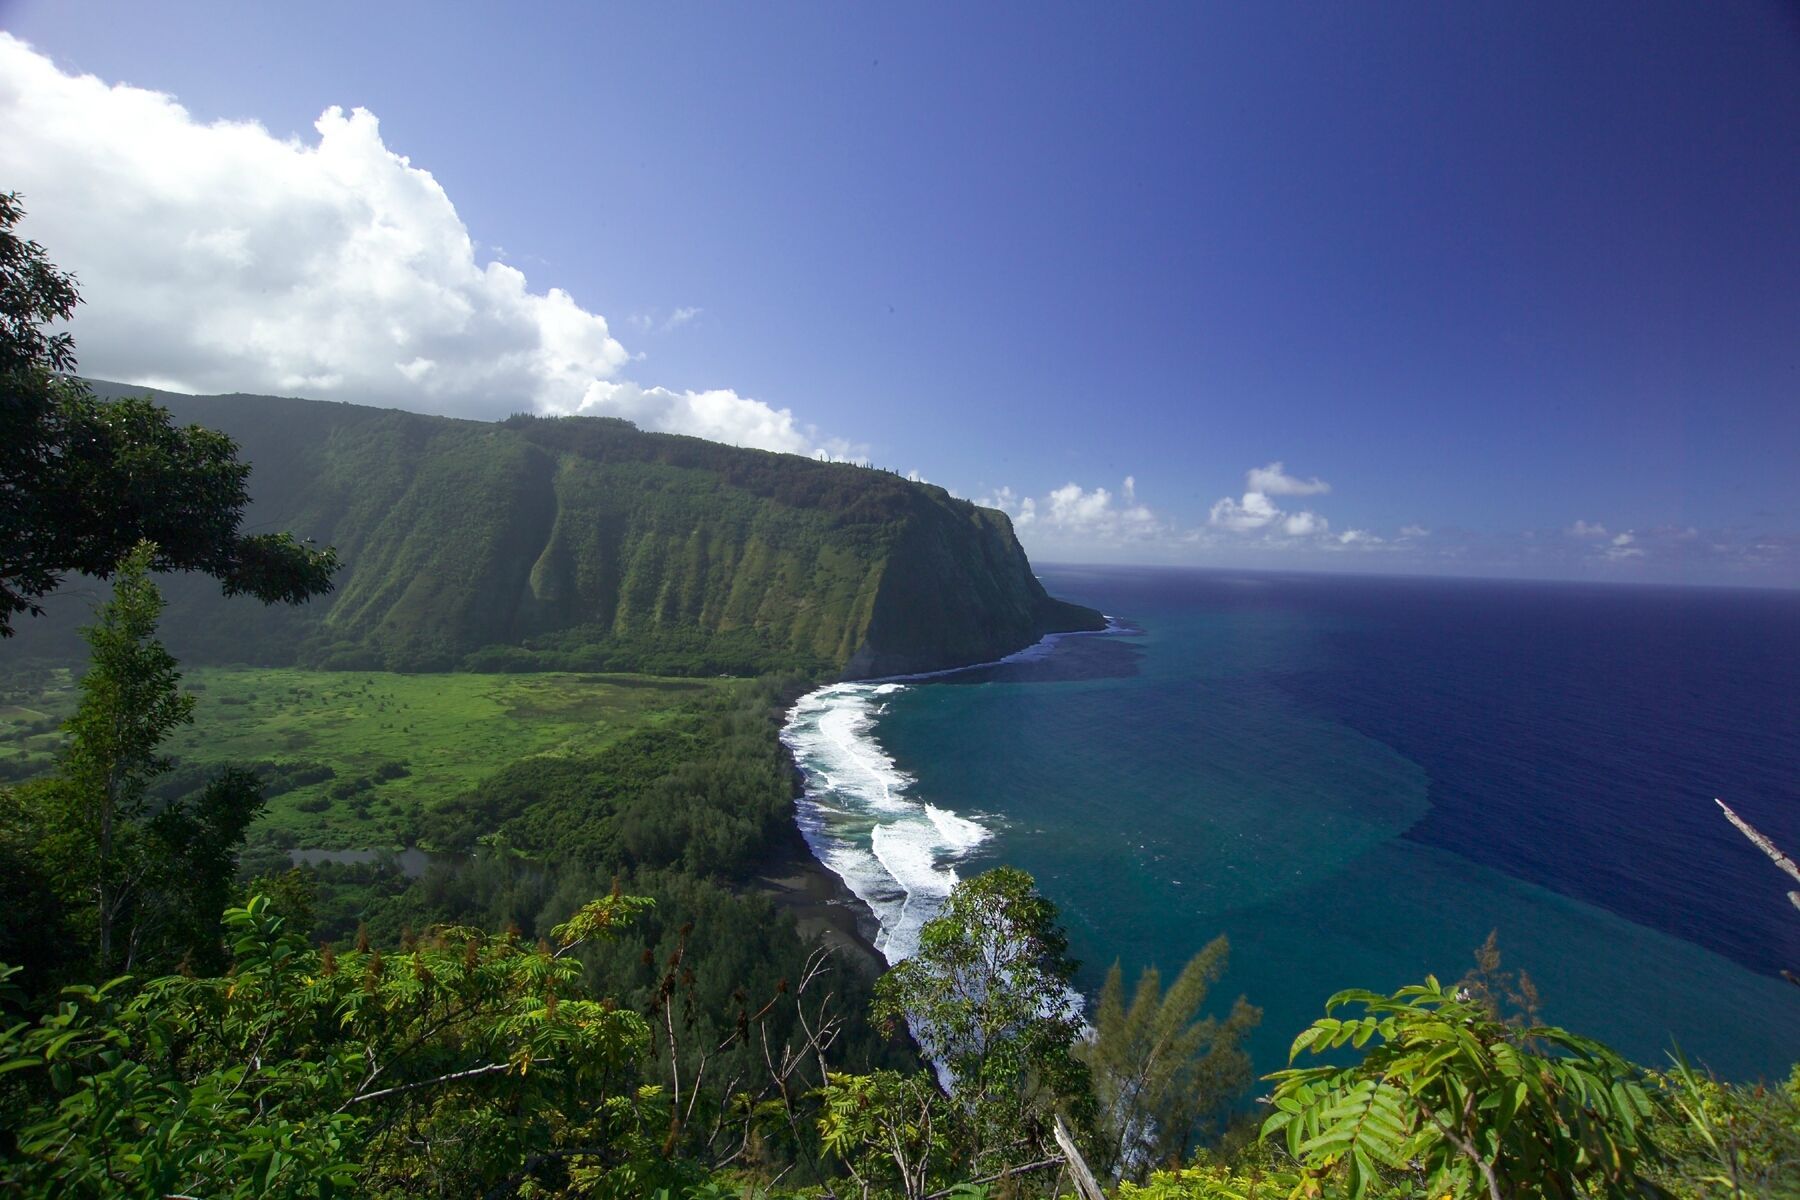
x=1268 y=757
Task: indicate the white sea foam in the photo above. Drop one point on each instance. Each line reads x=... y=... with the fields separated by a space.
x=895 y=851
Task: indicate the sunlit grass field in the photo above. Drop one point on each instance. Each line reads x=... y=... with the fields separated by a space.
x=394 y=744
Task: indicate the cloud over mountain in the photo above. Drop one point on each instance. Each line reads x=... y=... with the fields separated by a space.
x=1073 y=515
x=220 y=257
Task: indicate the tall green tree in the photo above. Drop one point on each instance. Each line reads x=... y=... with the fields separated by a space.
x=83 y=481
x=143 y=882
x=988 y=999
x=131 y=700
x=1160 y=1068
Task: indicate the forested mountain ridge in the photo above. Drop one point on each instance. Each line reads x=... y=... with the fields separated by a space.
x=586 y=543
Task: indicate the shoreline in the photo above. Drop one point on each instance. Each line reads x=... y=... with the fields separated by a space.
x=824 y=909
x=822 y=905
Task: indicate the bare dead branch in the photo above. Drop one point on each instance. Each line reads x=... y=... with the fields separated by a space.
x=1760 y=842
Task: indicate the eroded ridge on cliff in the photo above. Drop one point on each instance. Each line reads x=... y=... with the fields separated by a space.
x=586 y=543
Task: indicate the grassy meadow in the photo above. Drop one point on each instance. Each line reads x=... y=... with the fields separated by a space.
x=352 y=757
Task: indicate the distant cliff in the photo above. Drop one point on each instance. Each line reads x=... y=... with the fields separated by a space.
x=587 y=543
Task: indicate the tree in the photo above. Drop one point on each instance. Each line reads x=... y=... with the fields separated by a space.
x=145 y=882
x=472 y=1065
x=988 y=999
x=885 y=1128
x=1463 y=1101
x=1158 y=1067
x=83 y=481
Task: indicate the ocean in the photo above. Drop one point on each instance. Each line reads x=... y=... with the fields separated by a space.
x=1357 y=779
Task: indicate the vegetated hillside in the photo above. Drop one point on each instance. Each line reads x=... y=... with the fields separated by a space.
x=585 y=543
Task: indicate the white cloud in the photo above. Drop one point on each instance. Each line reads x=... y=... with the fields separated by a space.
x=1022 y=509
x=1069 y=505
x=1004 y=499
x=219 y=257
x=1072 y=515
x=1255 y=522
x=1305 y=524
x=1585 y=529
x=1273 y=480
x=1622 y=548
x=720 y=415
x=1254 y=511
x=650 y=322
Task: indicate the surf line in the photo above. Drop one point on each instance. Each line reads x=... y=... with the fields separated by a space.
x=895 y=852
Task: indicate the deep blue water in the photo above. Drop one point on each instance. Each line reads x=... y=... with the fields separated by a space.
x=1356 y=779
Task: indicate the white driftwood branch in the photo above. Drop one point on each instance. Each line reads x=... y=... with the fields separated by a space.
x=1078 y=1168
x=1762 y=843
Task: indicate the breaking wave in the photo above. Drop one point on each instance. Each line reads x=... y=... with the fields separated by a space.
x=896 y=851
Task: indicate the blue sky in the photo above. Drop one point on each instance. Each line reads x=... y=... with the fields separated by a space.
x=1501 y=276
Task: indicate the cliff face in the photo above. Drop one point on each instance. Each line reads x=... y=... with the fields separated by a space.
x=958 y=590
x=563 y=542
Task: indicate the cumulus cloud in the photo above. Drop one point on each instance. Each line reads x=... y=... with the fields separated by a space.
x=720 y=415
x=1273 y=480
x=1305 y=524
x=220 y=257
x=1253 y=521
x=1072 y=514
x=1586 y=529
x=1255 y=513
x=1623 y=548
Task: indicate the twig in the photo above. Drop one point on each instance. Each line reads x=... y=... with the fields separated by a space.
x=471 y=1073
x=1053 y=1161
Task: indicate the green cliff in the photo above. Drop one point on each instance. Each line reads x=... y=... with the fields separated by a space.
x=587 y=543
